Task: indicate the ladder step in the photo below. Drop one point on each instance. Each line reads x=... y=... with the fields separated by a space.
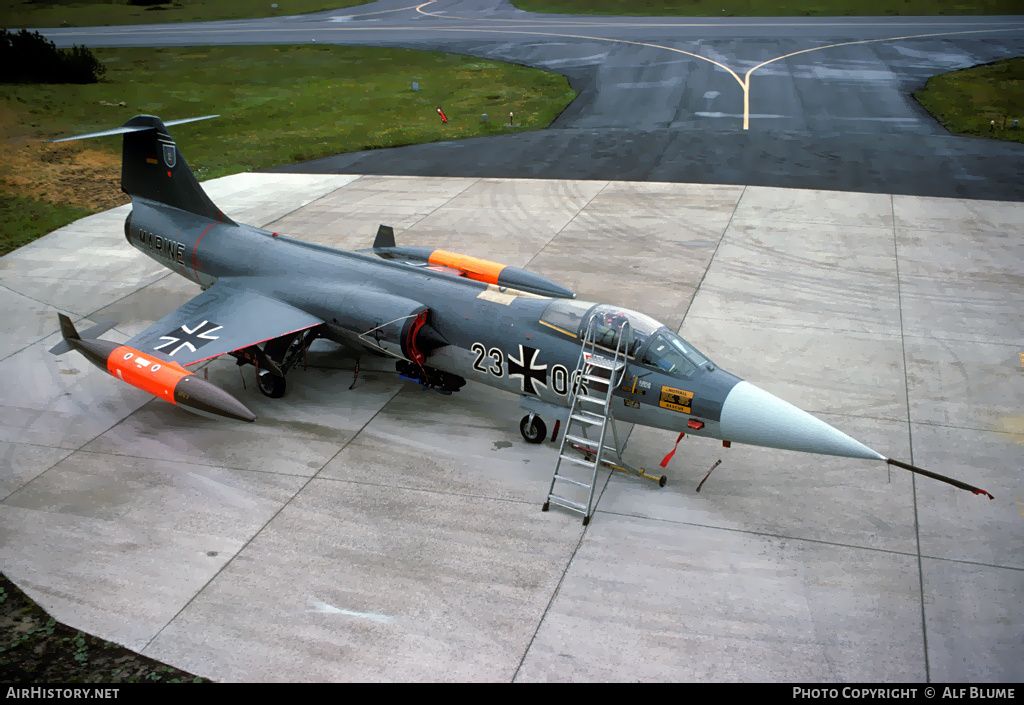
x=579 y=461
x=603 y=375
x=571 y=481
x=589 y=442
x=567 y=503
x=604 y=363
x=593 y=451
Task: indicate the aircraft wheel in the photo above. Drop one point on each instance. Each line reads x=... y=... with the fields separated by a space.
x=271 y=385
x=535 y=432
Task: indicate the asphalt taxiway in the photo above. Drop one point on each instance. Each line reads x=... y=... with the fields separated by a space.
x=814 y=102
x=389 y=533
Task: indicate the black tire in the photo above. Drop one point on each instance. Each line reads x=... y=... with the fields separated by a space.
x=270 y=384
x=535 y=432
x=662 y=481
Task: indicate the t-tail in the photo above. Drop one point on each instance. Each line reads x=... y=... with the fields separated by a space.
x=153 y=168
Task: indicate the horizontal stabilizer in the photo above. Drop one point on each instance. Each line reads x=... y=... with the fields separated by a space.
x=153 y=168
x=134 y=128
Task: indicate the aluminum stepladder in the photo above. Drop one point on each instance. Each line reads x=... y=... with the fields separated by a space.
x=593 y=371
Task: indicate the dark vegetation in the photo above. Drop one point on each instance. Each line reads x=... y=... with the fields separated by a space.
x=35 y=648
x=29 y=57
x=91 y=13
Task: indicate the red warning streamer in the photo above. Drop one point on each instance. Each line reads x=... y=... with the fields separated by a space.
x=441 y=113
x=664 y=462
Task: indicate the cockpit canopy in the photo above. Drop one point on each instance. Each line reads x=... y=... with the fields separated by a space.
x=654 y=344
x=670 y=353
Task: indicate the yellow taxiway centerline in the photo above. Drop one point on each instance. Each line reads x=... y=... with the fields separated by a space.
x=744 y=82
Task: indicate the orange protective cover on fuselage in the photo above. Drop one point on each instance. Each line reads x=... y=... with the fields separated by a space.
x=480 y=270
x=149 y=374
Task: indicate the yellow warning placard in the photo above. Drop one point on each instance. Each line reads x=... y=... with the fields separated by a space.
x=676 y=399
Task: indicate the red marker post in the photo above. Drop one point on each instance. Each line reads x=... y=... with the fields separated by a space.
x=441 y=113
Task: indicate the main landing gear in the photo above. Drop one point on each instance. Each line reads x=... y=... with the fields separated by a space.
x=270 y=384
x=275 y=360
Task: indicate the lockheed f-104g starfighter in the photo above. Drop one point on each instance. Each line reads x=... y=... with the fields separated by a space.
x=444 y=318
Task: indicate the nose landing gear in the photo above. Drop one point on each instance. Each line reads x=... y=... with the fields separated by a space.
x=533 y=429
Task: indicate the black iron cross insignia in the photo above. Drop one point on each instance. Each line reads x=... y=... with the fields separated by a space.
x=529 y=373
x=192 y=338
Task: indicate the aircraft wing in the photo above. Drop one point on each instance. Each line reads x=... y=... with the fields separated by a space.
x=226 y=317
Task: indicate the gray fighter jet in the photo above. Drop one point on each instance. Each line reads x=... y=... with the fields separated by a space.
x=444 y=318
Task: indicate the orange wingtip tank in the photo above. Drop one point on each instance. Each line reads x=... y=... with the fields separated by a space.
x=172 y=382
x=157 y=377
x=162 y=378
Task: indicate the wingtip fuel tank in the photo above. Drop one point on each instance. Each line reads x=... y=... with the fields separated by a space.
x=161 y=378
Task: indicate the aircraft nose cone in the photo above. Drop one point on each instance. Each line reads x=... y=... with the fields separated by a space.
x=752 y=415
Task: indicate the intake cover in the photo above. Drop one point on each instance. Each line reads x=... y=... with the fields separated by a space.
x=391 y=324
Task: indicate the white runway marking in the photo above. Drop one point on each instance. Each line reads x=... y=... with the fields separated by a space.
x=324 y=608
x=705 y=113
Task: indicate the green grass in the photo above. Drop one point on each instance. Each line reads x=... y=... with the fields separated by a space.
x=771 y=8
x=282 y=104
x=89 y=13
x=967 y=101
x=291 y=103
x=22 y=220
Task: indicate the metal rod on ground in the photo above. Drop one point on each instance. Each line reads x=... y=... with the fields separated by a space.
x=719 y=462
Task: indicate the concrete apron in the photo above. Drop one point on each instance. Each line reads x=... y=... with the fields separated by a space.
x=386 y=533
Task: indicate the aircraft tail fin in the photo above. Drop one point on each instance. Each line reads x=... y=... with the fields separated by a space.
x=153 y=168
x=69 y=332
x=385 y=237
x=67 y=328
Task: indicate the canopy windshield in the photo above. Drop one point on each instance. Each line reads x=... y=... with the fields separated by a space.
x=670 y=353
x=570 y=316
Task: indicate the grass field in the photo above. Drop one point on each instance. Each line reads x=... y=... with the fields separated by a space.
x=982 y=100
x=278 y=105
x=89 y=13
x=769 y=8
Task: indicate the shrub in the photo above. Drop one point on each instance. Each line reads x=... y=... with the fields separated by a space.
x=29 y=57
